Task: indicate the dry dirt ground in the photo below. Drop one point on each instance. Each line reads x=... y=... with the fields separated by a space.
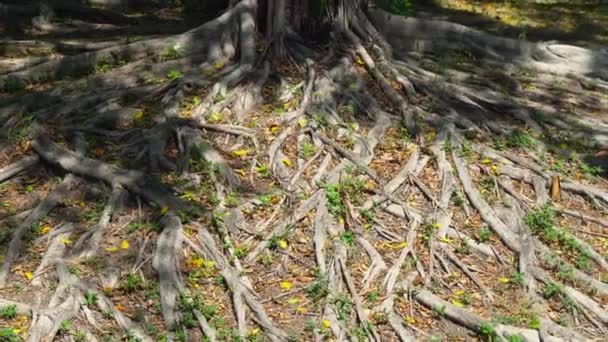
x=142 y=197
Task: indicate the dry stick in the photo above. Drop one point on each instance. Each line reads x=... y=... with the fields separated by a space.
x=391 y=276
x=17 y=167
x=453 y=258
x=363 y=319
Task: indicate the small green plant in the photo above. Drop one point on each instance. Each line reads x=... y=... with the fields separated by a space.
x=463 y=247
x=8 y=312
x=520 y=139
x=457 y=197
x=483 y=235
x=439 y=310
x=334 y=200
x=307 y=150
x=187 y=305
x=404 y=138
x=171 y=52
x=344 y=306
x=552 y=289
x=466 y=150
x=65 y=327
x=590 y=170
x=79 y=336
x=448 y=147
x=132 y=282
x=517 y=278
x=428 y=231
x=266 y=200
x=348 y=238
x=487 y=330
x=9 y=335
x=373 y=296
x=174 y=74
x=319 y=288
x=516 y=338
x=90 y=298
x=399 y=7
x=232 y=199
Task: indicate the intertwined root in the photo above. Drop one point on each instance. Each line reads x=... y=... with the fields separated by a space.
x=368 y=231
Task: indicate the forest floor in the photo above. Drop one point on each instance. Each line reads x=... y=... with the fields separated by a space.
x=297 y=215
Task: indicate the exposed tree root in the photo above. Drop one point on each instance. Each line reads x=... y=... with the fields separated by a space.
x=17 y=167
x=331 y=210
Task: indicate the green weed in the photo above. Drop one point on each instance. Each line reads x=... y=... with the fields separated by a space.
x=8 y=312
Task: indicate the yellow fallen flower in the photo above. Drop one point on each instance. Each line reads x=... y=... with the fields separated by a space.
x=124 y=244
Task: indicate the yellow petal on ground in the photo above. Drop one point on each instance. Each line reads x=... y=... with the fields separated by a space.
x=164 y=210
x=254 y=332
x=45 y=229
x=139 y=115
x=446 y=239
x=459 y=292
x=486 y=161
x=396 y=245
x=111 y=249
x=282 y=244
x=293 y=301
x=302 y=122
x=196 y=262
x=287 y=162
x=286 y=285
x=410 y=320
x=301 y=310
x=503 y=280
x=326 y=323
x=457 y=303
x=241 y=153
x=28 y=275
x=66 y=241
x=124 y=244
x=219 y=65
